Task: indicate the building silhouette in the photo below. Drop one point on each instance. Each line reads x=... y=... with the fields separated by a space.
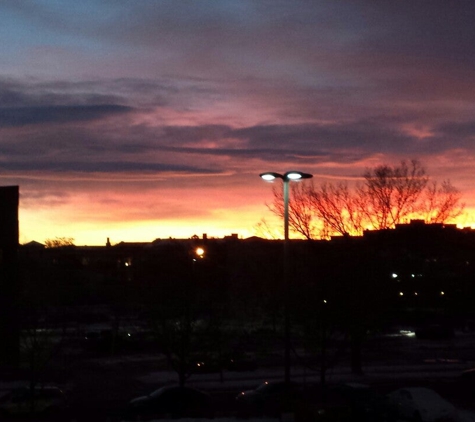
x=9 y=289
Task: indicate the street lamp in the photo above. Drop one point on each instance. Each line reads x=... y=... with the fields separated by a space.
x=286 y=178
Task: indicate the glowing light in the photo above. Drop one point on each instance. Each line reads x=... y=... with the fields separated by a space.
x=405 y=333
x=394 y=275
x=290 y=175
x=294 y=176
x=401 y=294
x=268 y=176
x=200 y=252
x=442 y=293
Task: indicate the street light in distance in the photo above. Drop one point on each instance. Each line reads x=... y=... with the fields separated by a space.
x=200 y=252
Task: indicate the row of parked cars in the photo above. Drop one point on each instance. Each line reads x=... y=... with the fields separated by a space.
x=348 y=402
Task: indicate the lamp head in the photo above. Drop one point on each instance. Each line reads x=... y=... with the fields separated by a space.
x=290 y=175
x=297 y=175
x=270 y=176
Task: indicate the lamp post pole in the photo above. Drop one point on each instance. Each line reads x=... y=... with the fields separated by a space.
x=287 y=340
x=286 y=178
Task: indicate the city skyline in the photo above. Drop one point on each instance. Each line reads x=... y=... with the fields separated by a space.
x=135 y=121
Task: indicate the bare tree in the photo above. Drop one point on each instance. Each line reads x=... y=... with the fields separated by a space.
x=441 y=202
x=390 y=194
x=38 y=347
x=264 y=230
x=59 y=242
x=337 y=208
x=300 y=208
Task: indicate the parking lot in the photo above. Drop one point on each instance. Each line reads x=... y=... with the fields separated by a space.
x=103 y=385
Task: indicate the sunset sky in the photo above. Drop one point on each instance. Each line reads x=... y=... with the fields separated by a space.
x=138 y=120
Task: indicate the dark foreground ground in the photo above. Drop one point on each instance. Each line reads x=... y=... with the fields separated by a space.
x=99 y=387
x=102 y=386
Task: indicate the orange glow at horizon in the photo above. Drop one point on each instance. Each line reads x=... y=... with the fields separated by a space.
x=142 y=208
x=72 y=220
x=129 y=225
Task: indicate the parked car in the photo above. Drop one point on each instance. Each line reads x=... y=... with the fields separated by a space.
x=435 y=332
x=422 y=404
x=356 y=402
x=40 y=402
x=269 y=398
x=465 y=385
x=468 y=377
x=172 y=401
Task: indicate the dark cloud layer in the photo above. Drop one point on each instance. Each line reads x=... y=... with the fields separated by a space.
x=101 y=167
x=21 y=116
x=131 y=149
x=119 y=144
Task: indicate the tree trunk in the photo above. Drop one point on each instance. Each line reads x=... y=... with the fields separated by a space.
x=355 y=345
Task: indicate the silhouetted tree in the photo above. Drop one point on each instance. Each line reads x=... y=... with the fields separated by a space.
x=337 y=208
x=59 y=242
x=38 y=347
x=388 y=196
x=442 y=202
x=300 y=207
x=186 y=301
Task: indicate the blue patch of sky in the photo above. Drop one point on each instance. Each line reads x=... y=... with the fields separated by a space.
x=61 y=24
